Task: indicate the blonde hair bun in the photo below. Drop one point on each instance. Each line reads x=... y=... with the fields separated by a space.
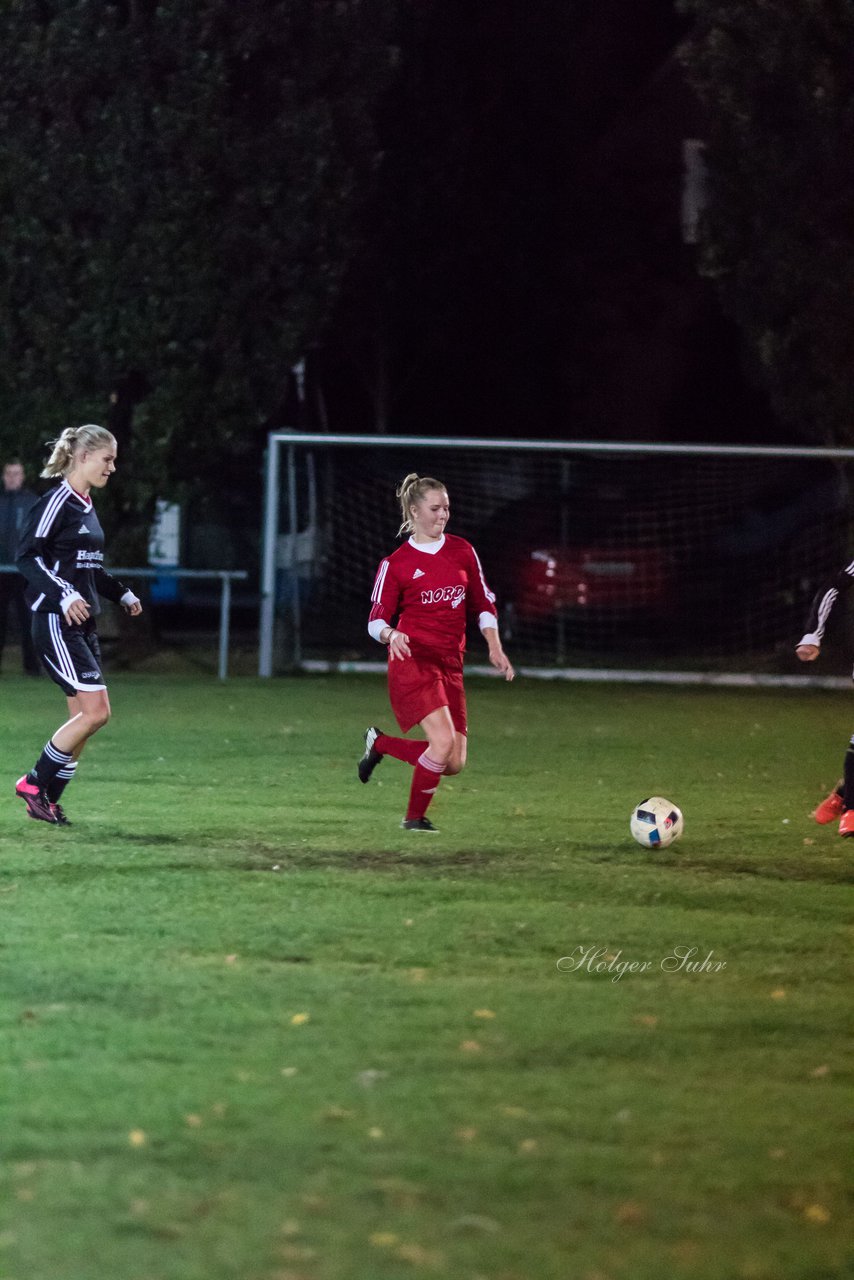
x=75 y=440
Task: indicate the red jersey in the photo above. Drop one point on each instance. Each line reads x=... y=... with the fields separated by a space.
x=433 y=592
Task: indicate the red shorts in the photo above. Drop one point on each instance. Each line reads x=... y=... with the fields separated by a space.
x=417 y=688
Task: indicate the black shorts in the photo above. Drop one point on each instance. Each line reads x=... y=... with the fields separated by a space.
x=71 y=654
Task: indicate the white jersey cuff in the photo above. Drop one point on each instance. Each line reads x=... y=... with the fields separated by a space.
x=67 y=601
x=129 y=598
x=487 y=621
x=375 y=627
x=810 y=639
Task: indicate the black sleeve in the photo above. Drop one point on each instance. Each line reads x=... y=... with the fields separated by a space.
x=34 y=555
x=107 y=585
x=822 y=606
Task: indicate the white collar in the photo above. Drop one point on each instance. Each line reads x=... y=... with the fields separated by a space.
x=429 y=547
x=87 y=501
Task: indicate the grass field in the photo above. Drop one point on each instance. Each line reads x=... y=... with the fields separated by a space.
x=253 y=1031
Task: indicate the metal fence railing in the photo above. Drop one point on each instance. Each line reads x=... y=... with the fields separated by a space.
x=224 y=576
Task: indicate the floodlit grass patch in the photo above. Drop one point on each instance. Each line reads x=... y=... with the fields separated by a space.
x=253 y=1030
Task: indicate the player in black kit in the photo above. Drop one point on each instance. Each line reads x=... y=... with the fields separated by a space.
x=840 y=803
x=61 y=555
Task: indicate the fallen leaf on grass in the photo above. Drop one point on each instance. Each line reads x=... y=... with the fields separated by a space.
x=483 y=1013
x=299 y=1018
x=289 y=1071
x=314 y=1203
x=476 y=1222
x=367 y=1079
x=466 y=1134
x=817 y=1213
x=779 y=993
x=818 y=1073
x=376 y=1133
x=382 y=1239
x=137 y=1137
x=777 y=1153
x=470 y=1046
x=418 y=1256
x=193 y=1121
x=337 y=1113
x=630 y=1213
x=645 y=1019
x=527 y=1146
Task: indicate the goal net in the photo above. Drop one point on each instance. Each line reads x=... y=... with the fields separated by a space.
x=602 y=557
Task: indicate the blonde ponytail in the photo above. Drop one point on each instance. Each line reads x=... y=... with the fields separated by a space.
x=74 y=440
x=410 y=492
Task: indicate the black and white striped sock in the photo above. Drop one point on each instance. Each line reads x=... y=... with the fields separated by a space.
x=49 y=764
x=60 y=781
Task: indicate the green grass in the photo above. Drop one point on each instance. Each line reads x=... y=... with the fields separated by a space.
x=253 y=1031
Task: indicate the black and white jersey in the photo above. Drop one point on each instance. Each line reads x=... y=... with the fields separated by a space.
x=823 y=602
x=61 y=553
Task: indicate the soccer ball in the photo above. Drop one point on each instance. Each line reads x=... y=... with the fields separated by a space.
x=656 y=823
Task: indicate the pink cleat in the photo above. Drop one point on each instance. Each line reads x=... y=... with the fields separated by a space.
x=38 y=805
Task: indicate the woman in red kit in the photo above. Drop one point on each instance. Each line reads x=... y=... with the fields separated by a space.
x=432 y=584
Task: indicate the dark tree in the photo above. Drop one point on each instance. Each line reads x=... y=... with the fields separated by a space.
x=777 y=80
x=180 y=184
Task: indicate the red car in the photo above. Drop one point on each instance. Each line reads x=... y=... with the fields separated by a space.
x=544 y=581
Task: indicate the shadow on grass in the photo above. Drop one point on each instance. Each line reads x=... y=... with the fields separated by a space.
x=273 y=862
x=813 y=873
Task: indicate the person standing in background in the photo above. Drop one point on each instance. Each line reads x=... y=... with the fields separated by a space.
x=15 y=502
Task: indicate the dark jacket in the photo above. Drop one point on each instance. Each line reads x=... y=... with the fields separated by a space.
x=14 y=505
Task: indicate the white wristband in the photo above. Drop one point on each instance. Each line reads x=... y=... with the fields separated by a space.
x=67 y=601
x=129 y=599
x=375 y=629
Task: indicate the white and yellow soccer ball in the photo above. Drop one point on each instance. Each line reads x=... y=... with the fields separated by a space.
x=655 y=823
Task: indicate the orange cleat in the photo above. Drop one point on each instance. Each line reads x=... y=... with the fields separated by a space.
x=832 y=807
x=846 y=823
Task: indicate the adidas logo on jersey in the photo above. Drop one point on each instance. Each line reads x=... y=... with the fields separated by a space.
x=419 y=573
x=82 y=529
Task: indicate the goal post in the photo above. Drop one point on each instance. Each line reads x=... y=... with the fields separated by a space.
x=609 y=559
